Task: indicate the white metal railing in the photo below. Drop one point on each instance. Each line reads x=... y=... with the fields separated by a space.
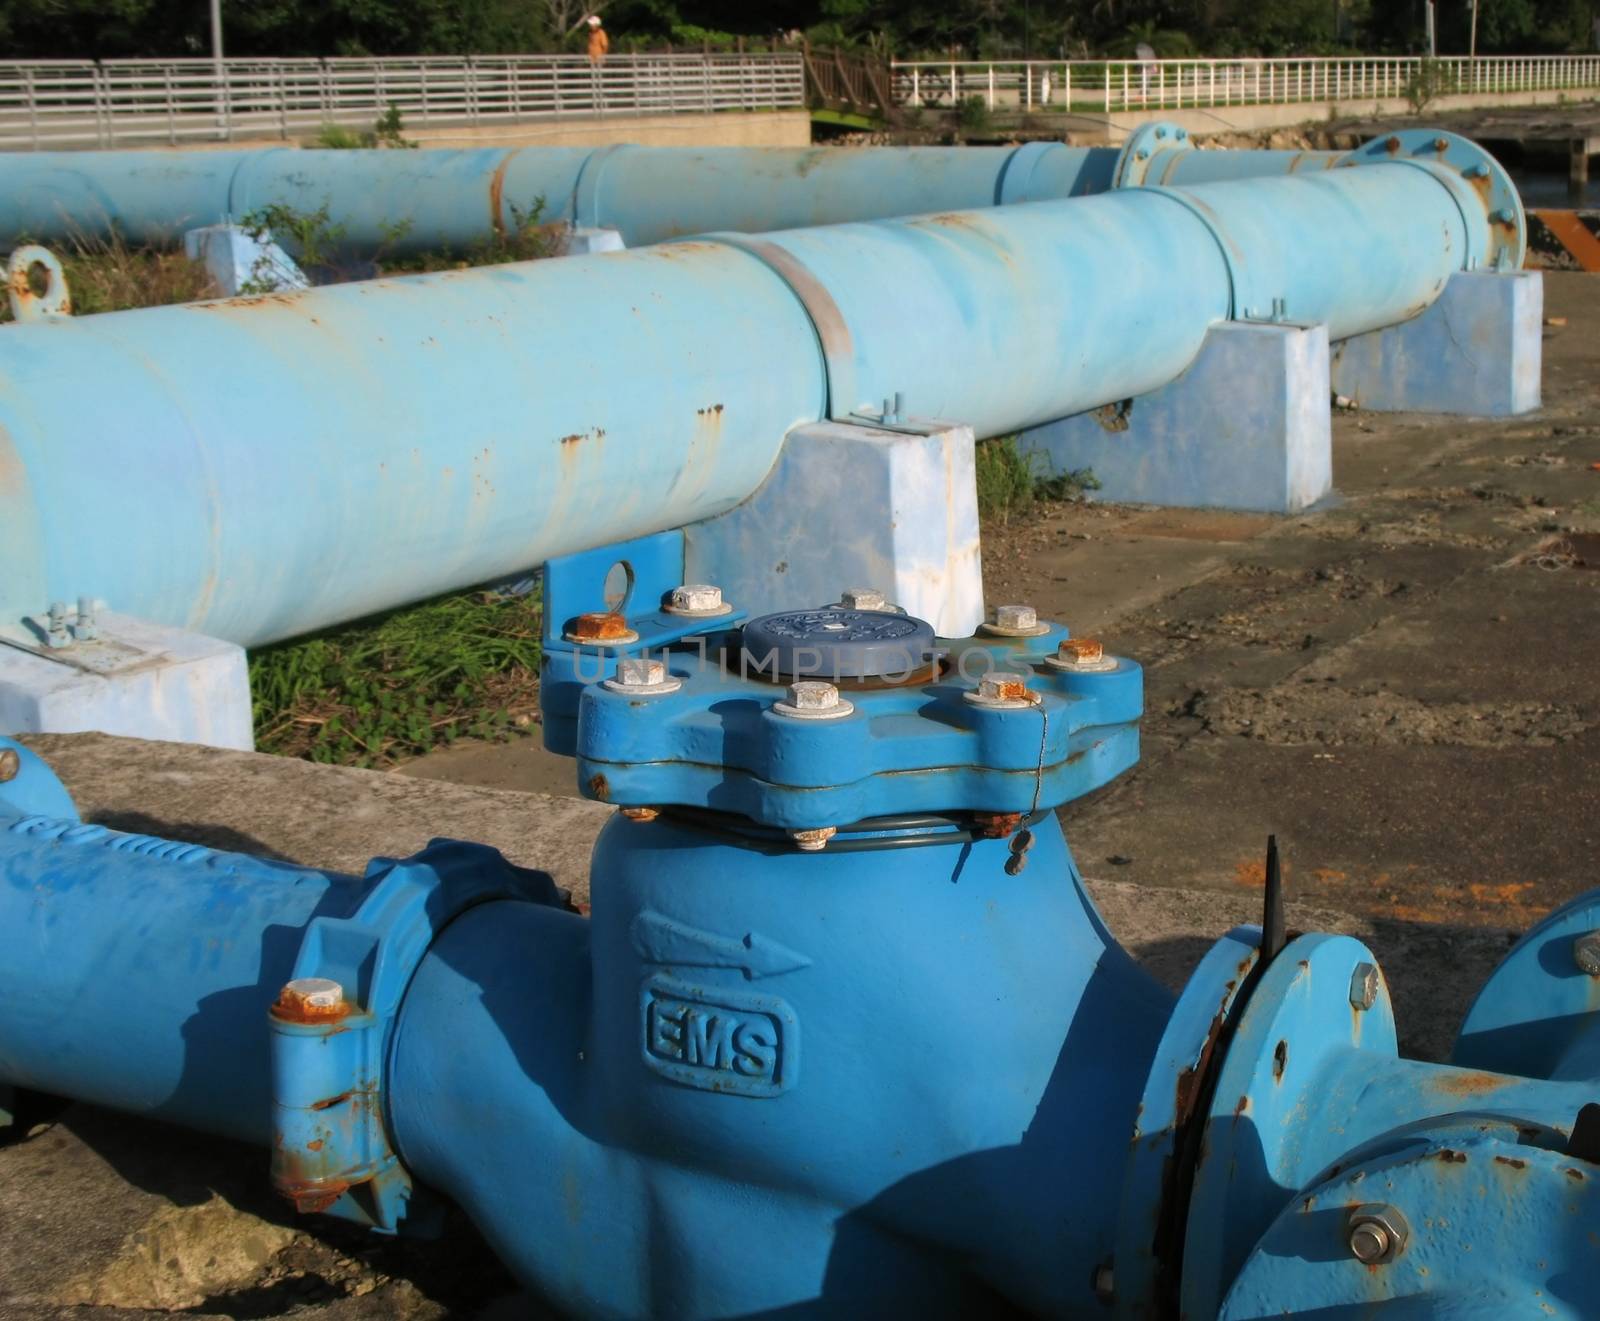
x=75 y=103
x=1109 y=86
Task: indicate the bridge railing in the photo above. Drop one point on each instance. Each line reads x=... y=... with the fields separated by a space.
x=78 y=103
x=1109 y=86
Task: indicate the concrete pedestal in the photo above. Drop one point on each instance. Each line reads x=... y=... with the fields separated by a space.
x=1245 y=427
x=1476 y=352
x=139 y=680
x=851 y=506
x=239 y=261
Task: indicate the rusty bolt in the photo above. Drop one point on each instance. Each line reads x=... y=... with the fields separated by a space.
x=696 y=599
x=813 y=841
x=10 y=764
x=311 y=998
x=1376 y=1233
x=1002 y=690
x=601 y=626
x=1440 y=145
x=812 y=699
x=1392 y=146
x=1586 y=952
x=1364 y=986
x=863 y=598
x=640 y=813
x=1081 y=655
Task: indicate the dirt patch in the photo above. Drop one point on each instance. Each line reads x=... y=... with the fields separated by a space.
x=1322 y=713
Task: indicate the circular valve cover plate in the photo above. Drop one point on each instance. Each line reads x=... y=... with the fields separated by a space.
x=836 y=644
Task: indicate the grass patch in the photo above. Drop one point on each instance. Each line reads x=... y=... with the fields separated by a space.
x=1012 y=483
x=380 y=690
x=106 y=275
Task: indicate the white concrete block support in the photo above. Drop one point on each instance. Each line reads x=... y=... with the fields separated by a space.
x=1477 y=351
x=850 y=506
x=239 y=260
x=583 y=240
x=136 y=679
x=1245 y=427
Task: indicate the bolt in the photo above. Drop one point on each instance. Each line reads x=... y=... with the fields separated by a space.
x=813 y=841
x=997 y=688
x=600 y=627
x=641 y=676
x=1502 y=217
x=696 y=599
x=640 y=672
x=1182 y=134
x=86 y=630
x=1016 y=617
x=1476 y=172
x=1161 y=132
x=1392 y=145
x=1364 y=986
x=10 y=764
x=308 y=999
x=863 y=598
x=812 y=699
x=1376 y=1233
x=1440 y=145
x=1586 y=952
x=1105 y=1287
x=1141 y=155
x=57 y=635
x=1080 y=654
x=640 y=813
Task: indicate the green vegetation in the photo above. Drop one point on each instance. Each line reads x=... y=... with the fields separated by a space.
x=106 y=275
x=1432 y=80
x=388 y=130
x=970 y=29
x=374 y=692
x=1012 y=483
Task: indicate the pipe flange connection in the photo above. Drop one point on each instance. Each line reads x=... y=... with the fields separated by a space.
x=1489 y=189
x=812 y=699
x=1013 y=621
x=1147 y=146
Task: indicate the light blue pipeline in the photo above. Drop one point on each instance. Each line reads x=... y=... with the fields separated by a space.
x=399 y=202
x=286 y=462
x=889 y=1065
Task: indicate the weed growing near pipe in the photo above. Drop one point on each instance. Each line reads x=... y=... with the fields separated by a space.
x=377 y=691
x=1012 y=483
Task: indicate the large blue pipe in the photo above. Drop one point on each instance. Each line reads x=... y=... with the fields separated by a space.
x=287 y=462
x=402 y=201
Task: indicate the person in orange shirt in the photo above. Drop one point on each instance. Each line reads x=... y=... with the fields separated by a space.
x=599 y=43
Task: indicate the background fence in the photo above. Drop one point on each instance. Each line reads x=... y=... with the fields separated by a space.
x=1116 y=85
x=110 y=103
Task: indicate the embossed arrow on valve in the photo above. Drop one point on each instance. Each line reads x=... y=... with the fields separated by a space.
x=660 y=939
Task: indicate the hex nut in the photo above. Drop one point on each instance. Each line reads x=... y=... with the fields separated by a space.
x=813 y=699
x=1376 y=1233
x=1586 y=952
x=863 y=598
x=696 y=600
x=1003 y=692
x=813 y=841
x=601 y=627
x=1014 y=621
x=311 y=1000
x=642 y=676
x=1081 y=656
x=10 y=764
x=1364 y=986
